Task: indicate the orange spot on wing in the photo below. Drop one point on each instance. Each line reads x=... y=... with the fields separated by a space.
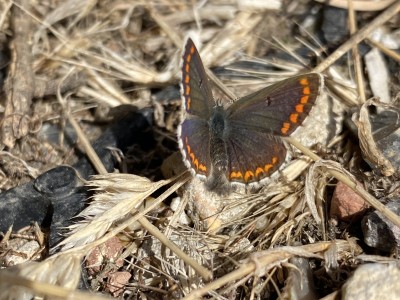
x=299 y=108
x=285 y=128
x=259 y=171
x=202 y=168
x=187 y=91
x=304 y=100
x=192 y=50
x=306 y=90
x=293 y=118
x=235 y=175
x=274 y=160
x=248 y=175
x=187 y=79
x=304 y=81
x=189 y=58
x=187 y=68
x=189 y=100
x=195 y=162
x=267 y=167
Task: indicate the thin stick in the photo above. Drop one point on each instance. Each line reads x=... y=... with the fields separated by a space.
x=206 y=274
x=356 y=55
x=92 y=155
x=387 y=51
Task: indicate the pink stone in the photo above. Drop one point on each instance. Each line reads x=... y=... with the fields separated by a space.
x=346 y=205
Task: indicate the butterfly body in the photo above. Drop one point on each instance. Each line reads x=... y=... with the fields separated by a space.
x=240 y=144
x=219 y=132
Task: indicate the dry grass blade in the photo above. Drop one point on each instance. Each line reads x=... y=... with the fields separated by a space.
x=100 y=83
x=388 y=52
x=133 y=70
x=235 y=36
x=166 y=28
x=121 y=194
x=63 y=11
x=310 y=191
x=356 y=55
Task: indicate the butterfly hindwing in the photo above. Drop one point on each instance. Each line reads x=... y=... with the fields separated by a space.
x=195 y=147
x=253 y=155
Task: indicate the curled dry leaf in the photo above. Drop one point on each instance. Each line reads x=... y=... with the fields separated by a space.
x=369 y=149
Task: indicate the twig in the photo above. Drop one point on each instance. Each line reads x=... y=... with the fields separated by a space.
x=19 y=84
x=387 y=51
x=4 y=14
x=356 y=55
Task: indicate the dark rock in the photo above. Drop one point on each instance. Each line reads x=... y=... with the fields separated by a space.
x=379 y=232
x=57 y=195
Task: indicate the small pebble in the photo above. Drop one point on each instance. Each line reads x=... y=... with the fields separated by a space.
x=346 y=204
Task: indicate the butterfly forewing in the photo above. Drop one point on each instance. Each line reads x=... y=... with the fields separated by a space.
x=280 y=108
x=196 y=91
